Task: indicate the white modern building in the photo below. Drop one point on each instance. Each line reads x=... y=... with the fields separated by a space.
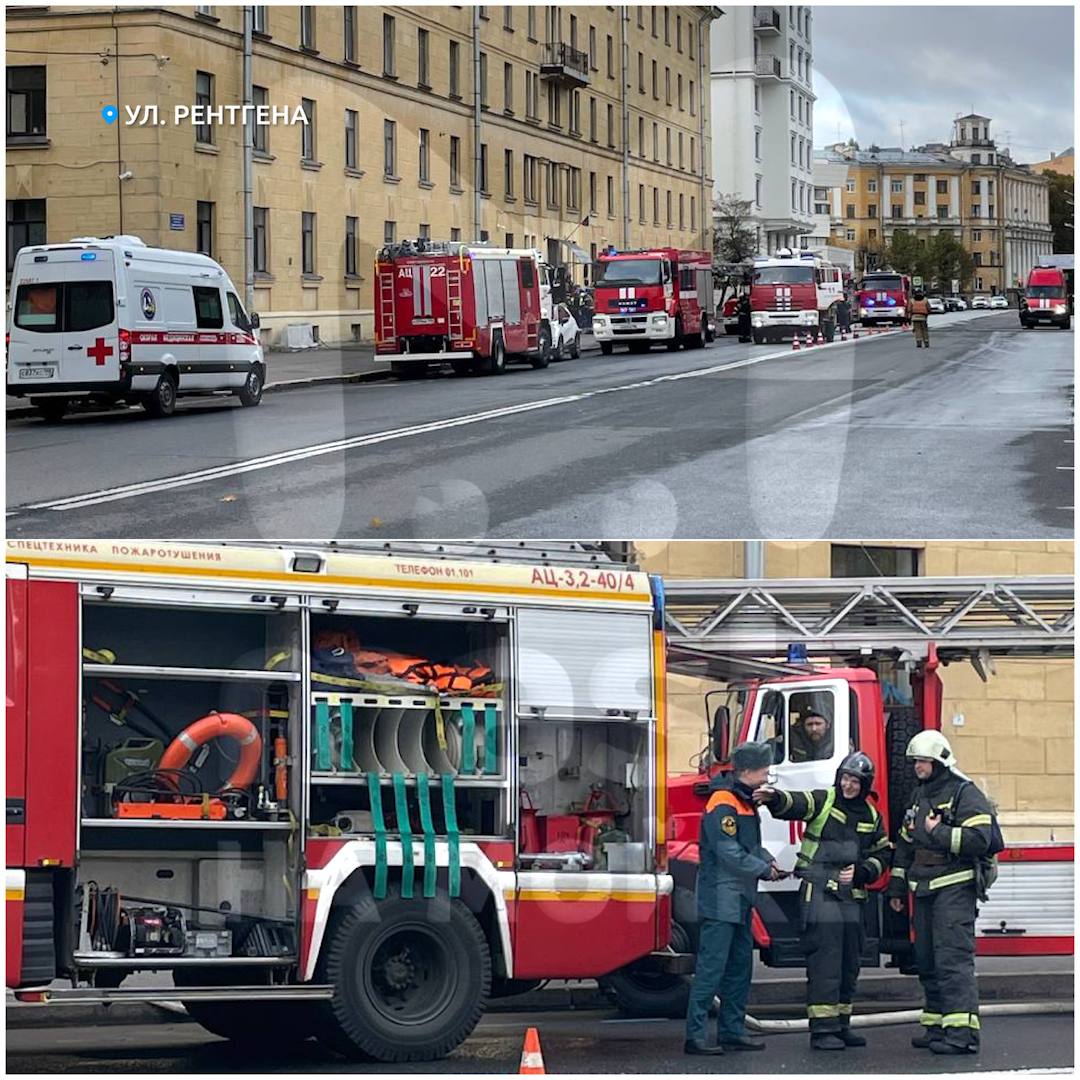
x=762 y=109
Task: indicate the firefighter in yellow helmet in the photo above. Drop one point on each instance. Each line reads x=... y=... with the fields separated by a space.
x=944 y=833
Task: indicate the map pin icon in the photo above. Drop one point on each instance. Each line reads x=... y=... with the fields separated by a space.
x=109 y=113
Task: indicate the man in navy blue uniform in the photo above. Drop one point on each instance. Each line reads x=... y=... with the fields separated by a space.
x=732 y=861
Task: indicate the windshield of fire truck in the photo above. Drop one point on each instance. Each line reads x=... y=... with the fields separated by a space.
x=784 y=275
x=629 y=272
x=1046 y=292
x=884 y=282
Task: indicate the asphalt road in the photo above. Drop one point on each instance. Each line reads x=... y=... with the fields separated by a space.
x=582 y=1042
x=971 y=438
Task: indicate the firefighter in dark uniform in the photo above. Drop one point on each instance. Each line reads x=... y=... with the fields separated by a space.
x=732 y=861
x=844 y=849
x=938 y=847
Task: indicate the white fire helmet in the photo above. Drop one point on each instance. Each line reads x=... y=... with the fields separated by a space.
x=933 y=746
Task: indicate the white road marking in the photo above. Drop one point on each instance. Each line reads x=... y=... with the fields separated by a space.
x=304 y=453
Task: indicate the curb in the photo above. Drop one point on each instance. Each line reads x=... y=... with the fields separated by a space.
x=785 y=995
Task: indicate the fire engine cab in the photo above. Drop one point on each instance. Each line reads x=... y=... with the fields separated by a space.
x=314 y=791
x=655 y=295
x=472 y=306
x=791 y=293
x=884 y=297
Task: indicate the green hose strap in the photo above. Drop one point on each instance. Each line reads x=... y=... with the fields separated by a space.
x=402 y=808
x=347 y=763
x=490 y=735
x=375 y=792
x=440 y=726
x=450 y=813
x=423 y=796
x=323 y=761
x=468 y=740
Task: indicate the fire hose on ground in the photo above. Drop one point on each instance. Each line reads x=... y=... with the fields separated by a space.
x=911 y=1016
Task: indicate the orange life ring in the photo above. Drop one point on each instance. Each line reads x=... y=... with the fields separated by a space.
x=214 y=726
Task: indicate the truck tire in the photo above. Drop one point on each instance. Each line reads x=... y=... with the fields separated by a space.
x=902 y=726
x=252 y=391
x=161 y=401
x=1066 y=324
x=638 y=992
x=495 y=364
x=411 y=978
x=606 y=348
x=674 y=343
x=543 y=358
x=695 y=340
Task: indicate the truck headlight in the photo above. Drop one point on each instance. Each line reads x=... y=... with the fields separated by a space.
x=1059 y=309
x=599 y=322
x=659 y=318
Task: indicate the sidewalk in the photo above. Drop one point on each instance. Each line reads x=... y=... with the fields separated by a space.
x=774 y=991
x=291 y=370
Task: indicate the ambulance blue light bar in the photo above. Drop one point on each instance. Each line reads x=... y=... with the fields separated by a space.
x=88 y=256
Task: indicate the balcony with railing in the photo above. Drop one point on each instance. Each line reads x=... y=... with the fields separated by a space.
x=767 y=21
x=564 y=64
x=768 y=67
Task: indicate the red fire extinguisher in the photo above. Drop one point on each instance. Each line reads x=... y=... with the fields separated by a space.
x=529 y=834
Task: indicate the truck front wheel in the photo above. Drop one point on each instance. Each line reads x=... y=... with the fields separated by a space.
x=638 y=991
x=495 y=364
x=677 y=339
x=411 y=978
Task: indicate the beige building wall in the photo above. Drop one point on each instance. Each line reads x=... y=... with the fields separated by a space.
x=1016 y=739
x=75 y=167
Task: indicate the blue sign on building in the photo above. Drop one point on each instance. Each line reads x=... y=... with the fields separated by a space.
x=176 y=222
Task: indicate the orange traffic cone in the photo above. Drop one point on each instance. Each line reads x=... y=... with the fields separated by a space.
x=809 y=340
x=795 y=346
x=820 y=338
x=532 y=1061
x=854 y=333
x=843 y=333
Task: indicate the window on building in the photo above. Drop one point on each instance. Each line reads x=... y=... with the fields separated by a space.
x=976 y=159
x=611 y=125
x=455 y=86
x=528 y=178
x=592 y=49
x=641 y=136
x=920 y=198
x=682 y=210
x=669 y=219
x=25 y=226
x=592 y=193
x=681 y=160
x=693 y=212
x=667 y=86
x=667 y=25
x=307 y=130
x=757 y=192
x=850 y=185
x=897 y=211
x=871 y=186
x=260 y=143
x=896 y=186
x=553 y=185
x=573 y=32
x=793 y=149
x=389 y=148
x=483 y=81
x=679 y=92
x=484 y=169
x=976 y=236
x=976 y=210
x=351 y=227
x=757 y=98
x=348 y=14
x=757 y=144
x=791 y=98
x=204 y=97
x=693 y=157
x=943 y=187
x=871 y=234
x=307 y=27
x=575 y=112
x=389 y=63
x=260 y=217
x=307 y=242
x=693 y=98
x=656 y=206
x=943 y=210
x=573 y=189
x=389 y=232
x=611 y=196
x=423 y=65
x=259 y=20
x=976 y=187
x=655 y=81
x=610 y=57
x=849 y=234
x=667 y=144
x=508 y=173
x=351 y=130
x=554 y=105
x=990 y=210
x=871 y=210
x=508 y=88
x=424 y=157
x=641 y=198
x=455 y=161
x=863 y=560
x=850 y=211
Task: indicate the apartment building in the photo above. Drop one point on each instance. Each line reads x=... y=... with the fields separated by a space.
x=508 y=124
x=763 y=128
x=997 y=209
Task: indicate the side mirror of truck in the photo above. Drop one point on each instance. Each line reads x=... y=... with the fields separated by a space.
x=254 y=318
x=721 y=726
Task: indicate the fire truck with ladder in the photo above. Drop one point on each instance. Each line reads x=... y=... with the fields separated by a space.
x=653 y=295
x=794 y=293
x=344 y=793
x=472 y=306
x=867 y=654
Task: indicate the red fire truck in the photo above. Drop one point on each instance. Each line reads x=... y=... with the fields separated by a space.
x=654 y=295
x=884 y=297
x=326 y=792
x=474 y=307
x=891 y=637
x=790 y=294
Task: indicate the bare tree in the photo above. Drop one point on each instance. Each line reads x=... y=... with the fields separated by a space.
x=734 y=239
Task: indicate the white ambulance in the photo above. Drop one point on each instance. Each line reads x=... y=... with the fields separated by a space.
x=110 y=319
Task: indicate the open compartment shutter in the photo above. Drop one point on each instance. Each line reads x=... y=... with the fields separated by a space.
x=584 y=662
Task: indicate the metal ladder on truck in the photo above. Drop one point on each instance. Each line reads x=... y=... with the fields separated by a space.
x=454 y=314
x=387 y=315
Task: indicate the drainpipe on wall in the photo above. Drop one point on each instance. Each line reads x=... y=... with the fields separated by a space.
x=753 y=559
x=476 y=121
x=119 y=160
x=705 y=95
x=624 y=30
x=249 y=145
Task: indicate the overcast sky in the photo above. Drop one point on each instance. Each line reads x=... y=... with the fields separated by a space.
x=876 y=66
